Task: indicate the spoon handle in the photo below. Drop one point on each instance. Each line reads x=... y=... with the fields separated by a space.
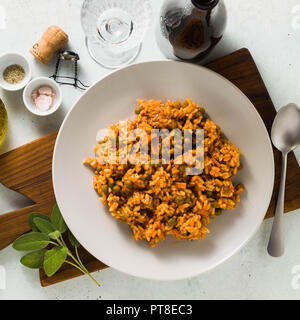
x=276 y=242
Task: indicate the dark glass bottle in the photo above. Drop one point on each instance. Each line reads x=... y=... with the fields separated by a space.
x=190 y=29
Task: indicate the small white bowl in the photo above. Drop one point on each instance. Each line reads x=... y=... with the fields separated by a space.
x=10 y=59
x=35 y=84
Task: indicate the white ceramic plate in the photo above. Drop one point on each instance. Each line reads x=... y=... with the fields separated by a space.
x=113 y=99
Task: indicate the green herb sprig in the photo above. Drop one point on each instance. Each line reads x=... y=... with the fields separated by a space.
x=49 y=231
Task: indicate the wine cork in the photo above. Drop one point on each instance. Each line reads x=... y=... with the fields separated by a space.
x=53 y=40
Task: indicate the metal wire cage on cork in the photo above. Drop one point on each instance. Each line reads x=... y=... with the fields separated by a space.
x=73 y=57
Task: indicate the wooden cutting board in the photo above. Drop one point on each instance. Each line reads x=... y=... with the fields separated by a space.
x=27 y=169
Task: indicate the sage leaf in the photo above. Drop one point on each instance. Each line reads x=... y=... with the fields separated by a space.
x=54 y=235
x=43 y=225
x=57 y=220
x=54 y=259
x=36 y=215
x=74 y=242
x=45 y=230
x=31 y=241
x=34 y=260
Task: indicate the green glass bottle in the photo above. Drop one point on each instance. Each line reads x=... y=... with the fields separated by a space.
x=3 y=121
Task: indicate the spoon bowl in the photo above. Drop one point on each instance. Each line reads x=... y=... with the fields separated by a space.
x=286 y=128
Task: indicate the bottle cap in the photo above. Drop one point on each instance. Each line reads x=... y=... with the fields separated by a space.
x=205 y=4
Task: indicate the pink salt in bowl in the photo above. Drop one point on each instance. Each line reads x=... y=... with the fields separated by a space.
x=42 y=96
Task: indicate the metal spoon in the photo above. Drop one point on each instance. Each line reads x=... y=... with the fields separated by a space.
x=285 y=137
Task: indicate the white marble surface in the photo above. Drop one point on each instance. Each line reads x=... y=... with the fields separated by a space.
x=271 y=30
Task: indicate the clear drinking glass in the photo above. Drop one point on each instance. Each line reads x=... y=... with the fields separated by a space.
x=115 y=29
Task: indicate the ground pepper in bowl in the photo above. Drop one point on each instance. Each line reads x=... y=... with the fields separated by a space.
x=14 y=74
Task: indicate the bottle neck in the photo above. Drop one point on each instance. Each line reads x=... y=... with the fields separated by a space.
x=205 y=4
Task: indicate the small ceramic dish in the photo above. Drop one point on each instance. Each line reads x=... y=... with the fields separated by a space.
x=10 y=59
x=36 y=84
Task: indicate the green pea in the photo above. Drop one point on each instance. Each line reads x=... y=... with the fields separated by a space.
x=110 y=184
x=182 y=168
x=116 y=189
x=128 y=184
x=145 y=178
x=226 y=191
x=209 y=194
x=240 y=186
x=104 y=188
x=179 y=200
x=201 y=110
x=215 y=204
x=138 y=110
x=222 y=135
x=218 y=212
x=172 y=222
x=187 y=200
